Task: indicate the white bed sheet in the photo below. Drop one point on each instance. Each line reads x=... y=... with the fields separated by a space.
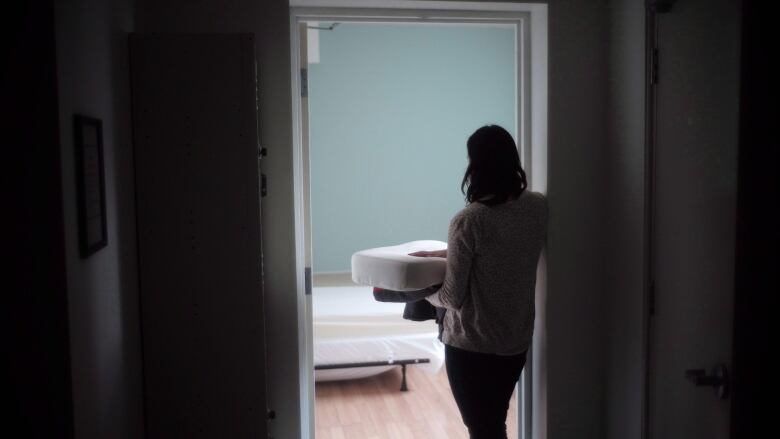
x=351 y=327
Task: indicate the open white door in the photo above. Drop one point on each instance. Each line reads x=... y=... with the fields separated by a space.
x=307 y=355
x=199 y=249
x=693 y=241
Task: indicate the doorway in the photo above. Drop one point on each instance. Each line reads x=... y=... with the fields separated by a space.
x=380 y=149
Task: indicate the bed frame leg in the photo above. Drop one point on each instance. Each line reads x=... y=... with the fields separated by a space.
x=403 y=378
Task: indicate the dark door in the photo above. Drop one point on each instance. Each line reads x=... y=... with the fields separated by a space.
x=198 y=212
x=696 y=116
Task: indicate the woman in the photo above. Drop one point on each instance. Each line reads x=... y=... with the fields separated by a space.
x=492 y=253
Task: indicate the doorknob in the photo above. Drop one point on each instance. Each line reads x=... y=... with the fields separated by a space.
x=719 y=379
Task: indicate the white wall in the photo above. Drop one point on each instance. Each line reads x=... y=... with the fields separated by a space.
x=624 y=222
x=575 y=284
x=410 y=95
x=93 y=80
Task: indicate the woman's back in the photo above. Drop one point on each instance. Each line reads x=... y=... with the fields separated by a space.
x=496 y=251
x=493 y=249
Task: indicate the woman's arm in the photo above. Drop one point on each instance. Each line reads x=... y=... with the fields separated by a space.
x=459 y=253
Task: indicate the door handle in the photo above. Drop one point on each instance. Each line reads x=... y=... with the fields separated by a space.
x=719 y=379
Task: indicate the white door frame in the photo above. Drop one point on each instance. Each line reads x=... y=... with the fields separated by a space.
x=530 y=21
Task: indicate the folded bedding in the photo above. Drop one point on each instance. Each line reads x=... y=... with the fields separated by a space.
x=384 y=295
x=392 y=268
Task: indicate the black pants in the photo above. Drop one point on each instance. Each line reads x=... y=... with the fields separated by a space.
x=482 y=385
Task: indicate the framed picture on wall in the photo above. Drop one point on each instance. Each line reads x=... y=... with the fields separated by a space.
x=90 y=181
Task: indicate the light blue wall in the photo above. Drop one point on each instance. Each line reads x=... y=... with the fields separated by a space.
x=391 y=107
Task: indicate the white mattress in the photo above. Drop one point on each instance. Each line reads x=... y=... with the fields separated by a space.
x=351 y=327
x=392 y=268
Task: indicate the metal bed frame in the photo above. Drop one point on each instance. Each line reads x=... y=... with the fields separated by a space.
x=402 y=363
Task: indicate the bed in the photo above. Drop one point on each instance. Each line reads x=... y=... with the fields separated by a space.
x=356 y=337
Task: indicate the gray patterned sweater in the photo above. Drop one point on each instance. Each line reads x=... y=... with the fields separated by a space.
x=488 y=290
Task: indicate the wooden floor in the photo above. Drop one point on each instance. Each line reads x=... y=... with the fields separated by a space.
x=373 y=407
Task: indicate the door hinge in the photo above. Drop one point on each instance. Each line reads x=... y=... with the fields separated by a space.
x=651 y=298
x=304 y=83
x=654 y=67
x=257 y=89
x=263 y=185
x=307 y=281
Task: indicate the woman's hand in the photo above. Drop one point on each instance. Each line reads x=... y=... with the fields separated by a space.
x=431 y=254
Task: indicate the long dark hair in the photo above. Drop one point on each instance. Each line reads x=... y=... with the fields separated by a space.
x=494 y=173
